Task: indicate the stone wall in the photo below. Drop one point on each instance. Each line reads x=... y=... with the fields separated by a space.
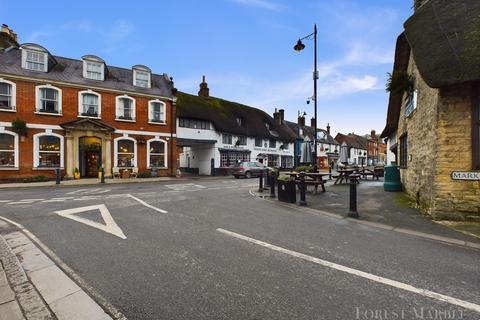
x=455 y=199
x=421 y=127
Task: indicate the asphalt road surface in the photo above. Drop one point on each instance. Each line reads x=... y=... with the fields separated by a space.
x=207 y=249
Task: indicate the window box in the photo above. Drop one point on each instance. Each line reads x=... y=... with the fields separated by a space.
x=156 y=121
x=287 y=191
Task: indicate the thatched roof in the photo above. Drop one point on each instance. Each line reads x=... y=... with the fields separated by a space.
x=402 y=57
x=445 y=39
x=223 y=114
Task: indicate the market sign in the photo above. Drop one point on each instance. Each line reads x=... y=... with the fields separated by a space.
x=466 y=175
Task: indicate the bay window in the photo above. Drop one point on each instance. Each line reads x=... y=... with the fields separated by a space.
x=7 y=95
x=156 y=112
x=125 y=150
x=8 y=150
x=89 y=104
x=125 y=109
x=157 y=151
x=49 y=100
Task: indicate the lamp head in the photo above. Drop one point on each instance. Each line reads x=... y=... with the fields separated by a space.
x=299 y=46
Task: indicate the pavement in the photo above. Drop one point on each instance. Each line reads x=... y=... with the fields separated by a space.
x=209 y=249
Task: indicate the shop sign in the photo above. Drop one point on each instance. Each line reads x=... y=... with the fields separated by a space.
x=466 y=175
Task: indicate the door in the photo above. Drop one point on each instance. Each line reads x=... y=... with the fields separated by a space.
x=90 y=154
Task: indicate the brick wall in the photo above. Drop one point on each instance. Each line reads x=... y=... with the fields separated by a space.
x=26 y=105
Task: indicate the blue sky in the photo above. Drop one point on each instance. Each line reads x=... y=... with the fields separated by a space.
x=244 y=47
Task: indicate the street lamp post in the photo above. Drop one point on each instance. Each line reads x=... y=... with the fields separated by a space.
x=299 y=47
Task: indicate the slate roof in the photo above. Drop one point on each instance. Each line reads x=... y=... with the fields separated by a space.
x=353 y=140
x=71 y=71
x=309 y=131
x=223 y=114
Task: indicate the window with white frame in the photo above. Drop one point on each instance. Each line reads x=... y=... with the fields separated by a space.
x=8 y=149
x=48 y=150
x=7 y=95
x=141 y=78
x=258 y=142
x=156 y=111
x=125 y=108
x=93 y=70
x=35 y=60
x=89 y=104
x=226 y=138
x=157 y=150
x=125 y=150
x=49 y=99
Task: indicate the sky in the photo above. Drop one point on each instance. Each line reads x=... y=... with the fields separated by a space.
x=243 y=47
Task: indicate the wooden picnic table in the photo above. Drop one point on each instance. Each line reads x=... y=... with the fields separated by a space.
x=343 y=175
x=311 y=178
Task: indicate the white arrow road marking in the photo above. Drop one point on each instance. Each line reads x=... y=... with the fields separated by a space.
x=110 y=226
x=148 y=205
x=358 y=273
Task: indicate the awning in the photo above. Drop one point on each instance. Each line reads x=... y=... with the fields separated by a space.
x=182 y=142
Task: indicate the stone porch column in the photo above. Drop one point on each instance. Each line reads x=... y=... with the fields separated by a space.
x=70 y=168
x=108 y=156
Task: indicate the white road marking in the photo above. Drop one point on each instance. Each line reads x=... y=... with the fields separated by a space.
x=1 y=201
x=147 y=205
x=62 y=198
x=76 y=191
x=102 y=191
x=110 y=226
x=358 y=273
x=20 y=202
x=53 y=200
x=31 y=200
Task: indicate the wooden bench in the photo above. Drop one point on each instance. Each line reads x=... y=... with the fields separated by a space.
x=311 y=182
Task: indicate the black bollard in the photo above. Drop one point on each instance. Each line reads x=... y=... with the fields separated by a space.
x=272 y=185
x=330 y=173
x=58 y=176
x=353 y=213
x=102 y=176
x=260 y=182
x=303 y=190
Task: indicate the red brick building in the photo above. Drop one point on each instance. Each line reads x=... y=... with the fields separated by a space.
x=81 y=114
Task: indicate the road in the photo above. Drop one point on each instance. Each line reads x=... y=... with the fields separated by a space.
x=208 y=249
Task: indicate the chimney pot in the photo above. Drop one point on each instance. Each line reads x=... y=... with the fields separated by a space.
x=301 y=121
x=313 y=122
x=328 y=128
x=204 y=91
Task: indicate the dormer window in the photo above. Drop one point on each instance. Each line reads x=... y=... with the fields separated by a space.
x=141 y=76
x=241 y=121
x=93 y=68
x=34 y=57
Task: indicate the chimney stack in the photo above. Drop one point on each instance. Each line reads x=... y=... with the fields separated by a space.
x=301 y=121
x=282 y=114
x=277 y=116
x=373 y=135
x=328 y=128
x=204 y=91
x=8 y=38
x=313 y=121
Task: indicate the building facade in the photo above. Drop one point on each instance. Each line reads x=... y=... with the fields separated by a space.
x=433 y=129
x=82 y=115
x=215 y=134
x=357 y=148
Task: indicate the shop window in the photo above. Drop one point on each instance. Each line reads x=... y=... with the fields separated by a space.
x=48 y=150
x=125 y=152
x=8 y=149
x=157 y=150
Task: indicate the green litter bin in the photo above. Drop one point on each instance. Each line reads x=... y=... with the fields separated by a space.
x=392 y=178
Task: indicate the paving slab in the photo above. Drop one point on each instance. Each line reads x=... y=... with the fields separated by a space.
x=10 y=311
x=52 y=283
x=78 y=306
x=3 y=277
x=6 y=294
x=33 y=259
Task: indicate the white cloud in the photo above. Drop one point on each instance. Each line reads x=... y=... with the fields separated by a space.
x=38 y=36
x=265 y=4
x=114 y=36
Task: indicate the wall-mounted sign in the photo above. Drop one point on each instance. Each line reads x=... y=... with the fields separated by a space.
x=466 y=175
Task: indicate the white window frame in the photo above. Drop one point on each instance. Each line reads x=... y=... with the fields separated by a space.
x=115 y=151
x=38 y=97
x=164 y=152
x=80 y=103
x=15 y=151
x=85 y=73
x=24 y=59
x=119 y=113
x=163 y=105
x=13 y=93
x=135 y=71
x=36 y=150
